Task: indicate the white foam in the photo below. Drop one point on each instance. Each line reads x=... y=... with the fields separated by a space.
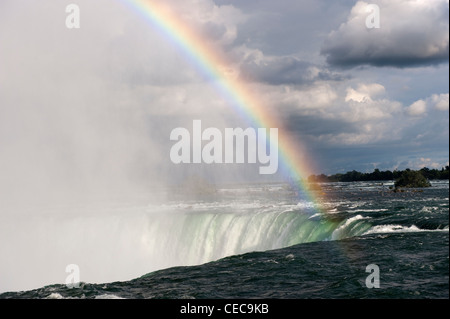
x=429 y=209
x=289 y=257
x=372 y=210
x=315 y=215
x=56 y=295
x=108 y=296
x=383 y=229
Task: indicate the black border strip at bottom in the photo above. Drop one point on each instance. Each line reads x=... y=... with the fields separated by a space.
x=224 y=308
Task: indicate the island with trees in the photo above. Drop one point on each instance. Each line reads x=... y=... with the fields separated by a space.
x=405 y=178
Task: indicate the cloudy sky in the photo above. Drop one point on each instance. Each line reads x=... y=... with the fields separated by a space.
x=94 y=106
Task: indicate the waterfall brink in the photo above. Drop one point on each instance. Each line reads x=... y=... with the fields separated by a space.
x=195 y=238
x=127 y=242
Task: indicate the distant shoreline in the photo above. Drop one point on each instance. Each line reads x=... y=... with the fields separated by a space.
x=377 y=175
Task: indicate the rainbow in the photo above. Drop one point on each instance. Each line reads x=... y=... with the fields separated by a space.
x=212 y=63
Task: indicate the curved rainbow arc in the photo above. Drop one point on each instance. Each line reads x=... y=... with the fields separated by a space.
x=212 y=63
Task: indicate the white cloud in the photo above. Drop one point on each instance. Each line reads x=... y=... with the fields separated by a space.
x=364 y=92
x=371 y=110
x=411 y=33
x=347 y=116
x=420 y=107
x=417 y=108
x=427 y=162
x=422 y=162
x=440 y=102
x=367 y=103
x=315 y=98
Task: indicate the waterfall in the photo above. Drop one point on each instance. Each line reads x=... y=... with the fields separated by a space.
x=126 y=242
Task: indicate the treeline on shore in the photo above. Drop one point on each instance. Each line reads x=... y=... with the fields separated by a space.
x=377 y=175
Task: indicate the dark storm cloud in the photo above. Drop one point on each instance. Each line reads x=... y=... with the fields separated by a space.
x=342 y=57
x=411 y=33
